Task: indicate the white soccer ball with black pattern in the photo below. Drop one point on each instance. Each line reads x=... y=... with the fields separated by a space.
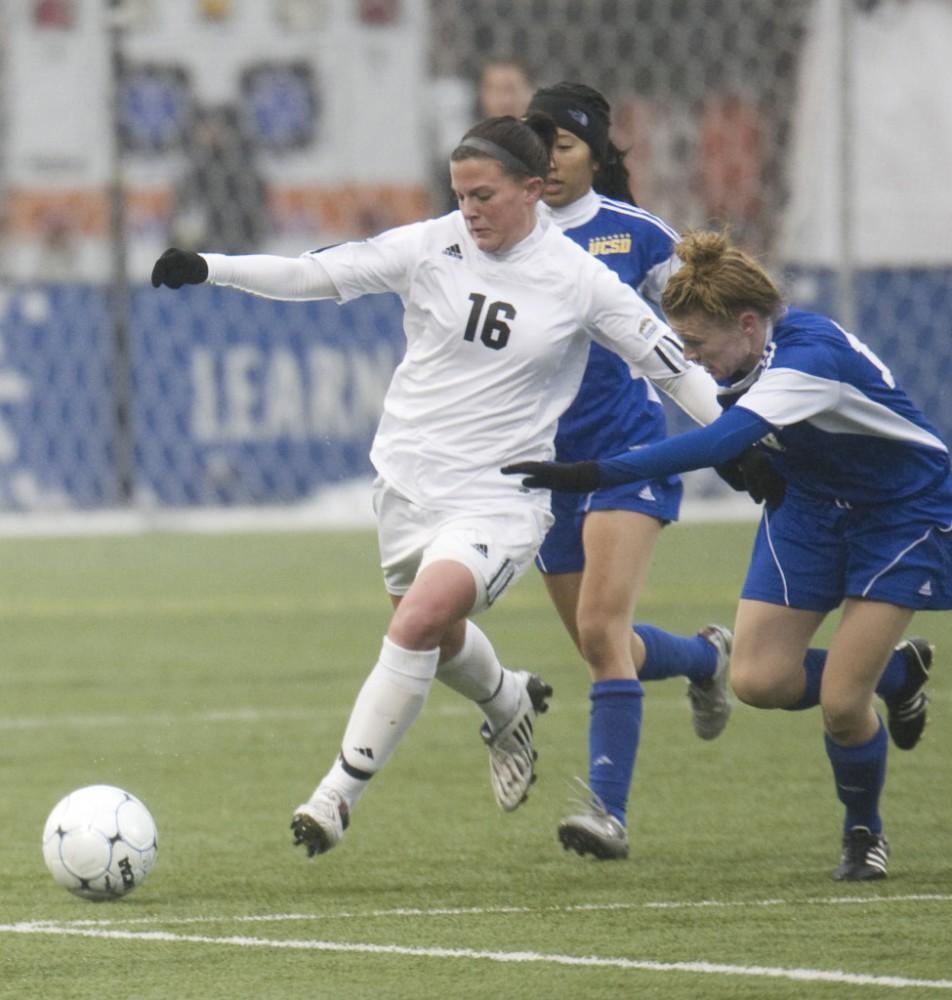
x=100 y=842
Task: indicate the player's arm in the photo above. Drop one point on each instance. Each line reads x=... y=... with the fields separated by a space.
x=621 y=320
x=652 y=285
x=298 y=278
x=726 y=437
x=688 y=384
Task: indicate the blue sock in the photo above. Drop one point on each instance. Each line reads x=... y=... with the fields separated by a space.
x=668 y=655
x=894 y=676
x=813 y=668
x=614 y=729
x=860 y=773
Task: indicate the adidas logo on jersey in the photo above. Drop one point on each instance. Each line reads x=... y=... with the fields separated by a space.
x=454 y=252
x=926 y=589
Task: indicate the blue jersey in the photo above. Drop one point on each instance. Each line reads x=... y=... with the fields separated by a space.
x=612 y=410
x=868 y=506
x=843 y=430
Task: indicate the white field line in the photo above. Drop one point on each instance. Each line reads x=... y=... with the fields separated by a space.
x=244 y=715
x=248 y=714
x=515 y=957
x=240 y=715
x=165 y=718
x=480 y=911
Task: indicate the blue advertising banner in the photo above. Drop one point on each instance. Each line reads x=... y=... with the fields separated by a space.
x=238 y=400
x=235 y=400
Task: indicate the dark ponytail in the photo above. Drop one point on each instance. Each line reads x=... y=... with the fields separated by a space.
x=612 y=178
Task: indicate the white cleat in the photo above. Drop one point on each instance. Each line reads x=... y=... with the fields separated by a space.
x=319 y=823
x=594 y=830
x=512 y=756
x=710 y=703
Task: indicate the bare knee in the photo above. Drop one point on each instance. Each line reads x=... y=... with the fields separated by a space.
x=417 y=626
x=605 y=645
x=753 y=690
x=758 y=687
x=845 y=721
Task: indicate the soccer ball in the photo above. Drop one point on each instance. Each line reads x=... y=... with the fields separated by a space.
x=100 y=842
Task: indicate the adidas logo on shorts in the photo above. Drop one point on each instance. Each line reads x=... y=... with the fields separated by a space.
x=454 y=252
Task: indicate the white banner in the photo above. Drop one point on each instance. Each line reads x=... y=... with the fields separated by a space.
x=900 y=137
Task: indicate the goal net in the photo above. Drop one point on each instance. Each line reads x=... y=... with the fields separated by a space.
x=285 y=125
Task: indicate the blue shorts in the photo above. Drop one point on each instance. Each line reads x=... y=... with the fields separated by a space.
x=811 y=555
x=562 y=550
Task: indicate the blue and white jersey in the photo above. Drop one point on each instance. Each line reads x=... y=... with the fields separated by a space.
x=612 y=411
x=844 y=430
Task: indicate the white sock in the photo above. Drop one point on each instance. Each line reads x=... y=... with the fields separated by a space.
x=476 y=673
x=390 y=699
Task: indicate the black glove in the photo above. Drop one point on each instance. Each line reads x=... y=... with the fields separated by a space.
x=763 y=481
x=732 y=474
x=565 y=477
x=753 y=472
x=179 y=267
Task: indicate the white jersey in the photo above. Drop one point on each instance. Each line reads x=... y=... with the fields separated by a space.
x=496 y=348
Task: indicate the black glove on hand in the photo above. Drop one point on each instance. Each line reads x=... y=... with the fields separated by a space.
x=564 y=477
x=179 y=267
x=732 y=474
x=753 y=472
x=761 y=479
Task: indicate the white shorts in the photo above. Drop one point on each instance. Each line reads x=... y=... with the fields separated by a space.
x=497 y=545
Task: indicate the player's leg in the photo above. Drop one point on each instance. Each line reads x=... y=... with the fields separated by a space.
x=509 y=699
x=806 y=563
x=901 y=687
x=657 y=654
x=390 y=699
x=469 y=665
x=770 y=644
x=497 y=547
x=795 y=578
x=855 y=736
x=618 y=548
x=396 y=687
x=703 y=659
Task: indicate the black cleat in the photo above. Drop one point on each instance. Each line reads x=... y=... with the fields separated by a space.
x=906 y=709
x=864 y=856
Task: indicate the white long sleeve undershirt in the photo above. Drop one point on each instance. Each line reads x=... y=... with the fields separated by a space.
x=291 y=278
x=694 y=392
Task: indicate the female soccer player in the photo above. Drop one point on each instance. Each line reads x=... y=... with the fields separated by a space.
x=500 y=309
x=596 y=556
x=866 y=521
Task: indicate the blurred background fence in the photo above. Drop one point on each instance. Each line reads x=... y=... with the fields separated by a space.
x=820 y=131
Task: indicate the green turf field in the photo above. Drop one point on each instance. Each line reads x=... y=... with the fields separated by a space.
x=212 y=677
